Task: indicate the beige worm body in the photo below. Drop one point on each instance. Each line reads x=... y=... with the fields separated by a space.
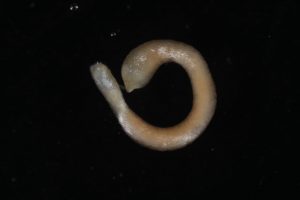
x=137 y=70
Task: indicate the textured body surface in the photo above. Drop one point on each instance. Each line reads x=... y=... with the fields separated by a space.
x=137 y=70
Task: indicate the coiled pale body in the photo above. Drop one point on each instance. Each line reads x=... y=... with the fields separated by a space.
x=137 y=70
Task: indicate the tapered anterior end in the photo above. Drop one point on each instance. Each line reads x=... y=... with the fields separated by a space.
x=129 y=87
x=133 y=78
x=129 y=79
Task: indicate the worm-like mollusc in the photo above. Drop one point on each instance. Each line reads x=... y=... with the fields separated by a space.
x=137 y=70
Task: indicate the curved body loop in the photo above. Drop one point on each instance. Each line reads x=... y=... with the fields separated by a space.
x=137 y=70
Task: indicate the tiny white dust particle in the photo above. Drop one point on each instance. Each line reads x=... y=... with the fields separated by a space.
x=187 y=26
x=74 y=7
x=32 y=5
x=128 y=6
x=113 y=34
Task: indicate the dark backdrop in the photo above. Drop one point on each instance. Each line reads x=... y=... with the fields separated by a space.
x=64 y=141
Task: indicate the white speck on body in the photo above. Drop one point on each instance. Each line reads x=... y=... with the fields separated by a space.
x=142 y=58
x=175 y=54
x=162 y=50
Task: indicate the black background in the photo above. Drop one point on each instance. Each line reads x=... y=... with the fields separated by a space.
x=64 y=141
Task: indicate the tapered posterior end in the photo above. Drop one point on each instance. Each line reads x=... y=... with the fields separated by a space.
x=103 y=77
x=108 y=86
x=97 y=69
